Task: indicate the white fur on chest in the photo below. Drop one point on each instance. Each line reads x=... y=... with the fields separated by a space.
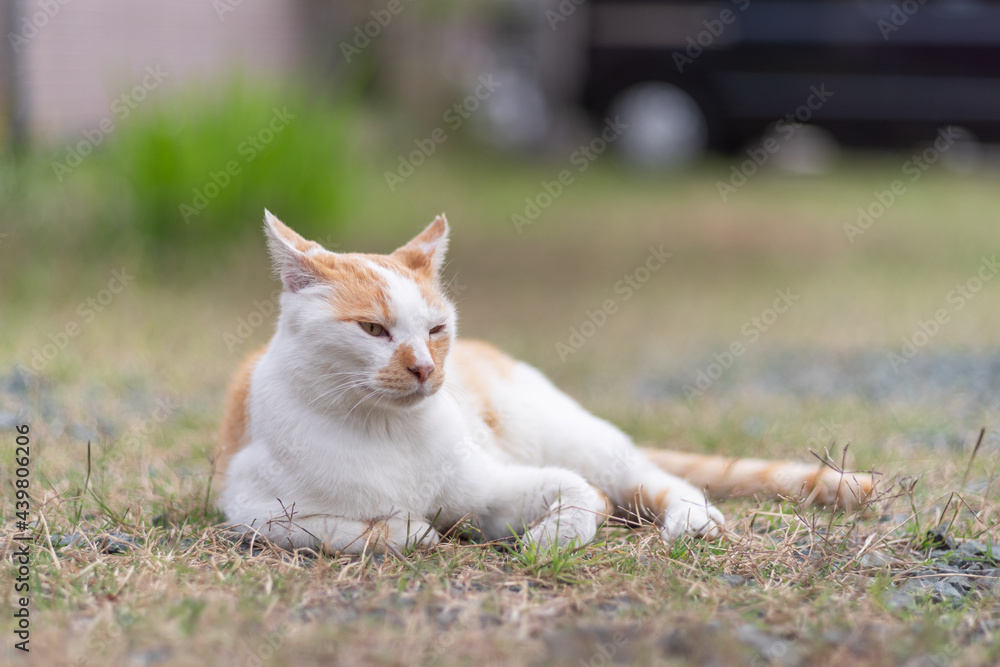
x=371 y=463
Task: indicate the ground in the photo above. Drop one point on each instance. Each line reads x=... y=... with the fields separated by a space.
x=885 y=345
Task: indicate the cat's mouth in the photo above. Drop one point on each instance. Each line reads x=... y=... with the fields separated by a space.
x=413 y=396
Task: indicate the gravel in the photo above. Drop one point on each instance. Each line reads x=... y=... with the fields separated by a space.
x=970 y=379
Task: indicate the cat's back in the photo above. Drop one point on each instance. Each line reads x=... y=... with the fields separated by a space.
x=503 y=394
x=481 y=370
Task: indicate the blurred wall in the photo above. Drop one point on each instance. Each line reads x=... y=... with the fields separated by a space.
x=76 y=58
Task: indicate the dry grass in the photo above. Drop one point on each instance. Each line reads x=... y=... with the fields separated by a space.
x=131 y=566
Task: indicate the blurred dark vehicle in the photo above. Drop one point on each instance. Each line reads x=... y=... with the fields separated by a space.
x=696 y=76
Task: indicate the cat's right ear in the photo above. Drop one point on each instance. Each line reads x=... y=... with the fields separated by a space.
x=290 y=254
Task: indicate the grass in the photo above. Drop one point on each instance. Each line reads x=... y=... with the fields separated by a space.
x=143 y=382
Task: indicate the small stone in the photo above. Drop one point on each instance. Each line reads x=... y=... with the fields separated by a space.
x=114 y=543
x=939 y=539
x=150 y=657
x=876 y=559
x=961 y=584
x=972 y=548
x=947 y=591
x=70 y=540
x=898 y=599
x=733 y=579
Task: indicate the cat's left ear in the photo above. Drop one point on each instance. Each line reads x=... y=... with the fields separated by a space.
x=425 y=253
x=292 y=254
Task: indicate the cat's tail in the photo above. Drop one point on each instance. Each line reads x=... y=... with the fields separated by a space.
x=723 y=477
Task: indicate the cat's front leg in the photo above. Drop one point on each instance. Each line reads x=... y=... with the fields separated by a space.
x=677 y=507
x=291 y=528
x=684 y=510
x=548 y=506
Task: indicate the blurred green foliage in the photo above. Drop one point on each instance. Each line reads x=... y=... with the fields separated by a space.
x=198 y=169
x=192 y=173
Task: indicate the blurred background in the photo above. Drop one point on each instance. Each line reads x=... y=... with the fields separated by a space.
x=734 y=225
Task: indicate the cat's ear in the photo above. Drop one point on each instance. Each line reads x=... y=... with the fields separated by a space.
x=291 y=254
x=425 y=253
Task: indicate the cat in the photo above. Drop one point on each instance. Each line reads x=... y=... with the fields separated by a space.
x=365 y=425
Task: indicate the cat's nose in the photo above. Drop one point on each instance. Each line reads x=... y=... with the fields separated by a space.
x=421 y=371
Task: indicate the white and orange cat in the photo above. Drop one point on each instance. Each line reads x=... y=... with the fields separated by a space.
x=366 y=425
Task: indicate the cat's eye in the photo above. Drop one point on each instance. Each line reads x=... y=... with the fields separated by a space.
x=374 y=329
x=438 y=329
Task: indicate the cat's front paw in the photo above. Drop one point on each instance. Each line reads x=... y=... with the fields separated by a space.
x=563 y=531
x=691 y=514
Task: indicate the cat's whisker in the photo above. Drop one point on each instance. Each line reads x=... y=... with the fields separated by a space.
x=337 y=391
x=456 y=393
x=352 y=376
x=368 y=396
x=365 y=423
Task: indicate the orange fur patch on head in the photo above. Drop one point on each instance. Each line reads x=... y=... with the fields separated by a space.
x=427 y=283
x=413 y=260
x=359 y=292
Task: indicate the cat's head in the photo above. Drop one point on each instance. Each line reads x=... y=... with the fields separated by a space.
x=367 y=327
